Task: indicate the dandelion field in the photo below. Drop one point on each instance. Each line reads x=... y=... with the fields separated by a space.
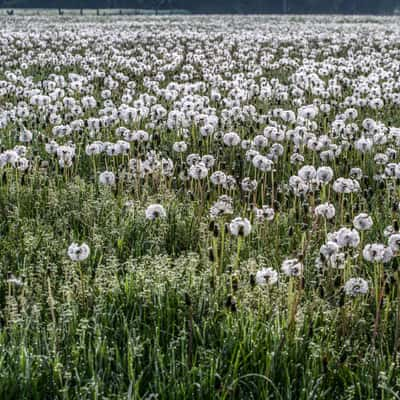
x=199 y=207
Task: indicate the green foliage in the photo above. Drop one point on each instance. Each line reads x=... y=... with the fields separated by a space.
x=160 y=329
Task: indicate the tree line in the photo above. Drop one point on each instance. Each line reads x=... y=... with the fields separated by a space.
x=223 y=6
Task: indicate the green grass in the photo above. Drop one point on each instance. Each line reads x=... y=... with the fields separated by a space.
x=169 y=309
x=144 y=315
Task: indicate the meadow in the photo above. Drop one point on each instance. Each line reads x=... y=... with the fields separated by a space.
x=199 y=207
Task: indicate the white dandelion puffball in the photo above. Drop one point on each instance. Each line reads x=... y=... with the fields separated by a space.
x=362 y=222
x=107 y=178
x=266 y=276
x=179 y=147
x=326 y=210
x=25 y=136
x=198 y=171
x=348 y=237
x=377 y=252
x=240 y=227
x=356 y=286
x=78 y=253
x=155 y=211
x=292 y=267
x=231 y=139
x=394 y=242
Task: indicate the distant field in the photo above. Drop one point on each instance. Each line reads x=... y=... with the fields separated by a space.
x=89 y=11
x=199 y=207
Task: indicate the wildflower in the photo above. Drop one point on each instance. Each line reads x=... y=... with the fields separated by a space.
x=363 y=145
x=388 y=231
x=249 y=185
x=193 y=159
x=262 y=163
x=9 y=156
x=377 y=252
x=307 y=173
x=329 y=249
x=324 y=174
x=266 y=276
x=20 y=150
x=343 y=185
x=222 y=207
x=65 y=152
x=218 y=178
x=362 y=222
x=107 y=178
x=259 y=141
x=240 y=227
x=292 y=267
x=78 y=253
x=246 y=144
x=12 y=280
x=381 y=159
x=179 y=147
x=25 y=136
x=296 y=158
x=231 y=139
x=198 y=171
x=298 y=185
x=21 y=164
x=264 y=213
x=51 y=147
x=348 y=237
x=155 y=211
x=326 y=210
x=65 y=162
x=207 y=130
x=356 y=286
x=277 y=150
x=141 y=136
x=94 y=148
x=394 y=242
x=230 y=183
x=337 y=260
x=308 y=112
x=208 y=160
x=356 y=173
x=369 y=124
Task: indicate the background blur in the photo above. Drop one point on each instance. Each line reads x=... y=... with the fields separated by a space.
x=222 y=6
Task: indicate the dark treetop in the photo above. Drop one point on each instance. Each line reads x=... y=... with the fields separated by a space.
x=223 y=6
